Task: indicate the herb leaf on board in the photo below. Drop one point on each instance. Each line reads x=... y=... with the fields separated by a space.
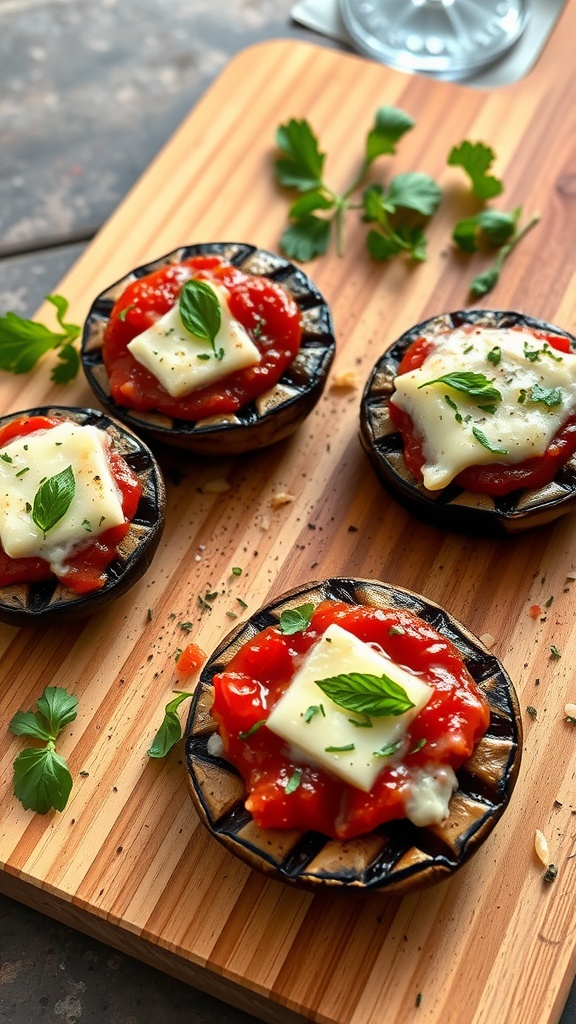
x=170 y=730
x=23 y=342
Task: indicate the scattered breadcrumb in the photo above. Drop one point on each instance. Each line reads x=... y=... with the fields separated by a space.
x=264 y=523
x=281 y=498
x=488 y=640
x=570 y=711
x=346 y=379
x=534 y=611
x=541 y=847
x=571 y=575
x=218 y=486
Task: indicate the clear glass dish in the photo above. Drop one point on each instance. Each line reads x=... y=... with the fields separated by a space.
x=447 y=38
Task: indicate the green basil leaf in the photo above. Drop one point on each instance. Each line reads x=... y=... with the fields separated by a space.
x=200 y=310
x=468 y=382
x=296 y=620
x=170 y=730
x=53 y=499
x=366 y=694
x=42 y=780
x=27 y=723
x=58 y=708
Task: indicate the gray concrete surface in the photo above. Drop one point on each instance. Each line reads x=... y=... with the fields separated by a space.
x=90 y=91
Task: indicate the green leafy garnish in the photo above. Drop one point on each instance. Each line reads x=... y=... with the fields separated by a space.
x=481 y=437
x=398 y=214
x=547 y=396
x=476 y=159
x=312 y=711
x=469 y=382
x=294 y=781
x=302 y=163
x=246 y=733
x=491 y=227
x=487 y=279
x=23 y=342
x=319 y=207
x=366 y=694
x=340 y=750
x=53 y=499
x=296 y=620
x=388 y=750
x=42 y=779
x=170 y=730
x=200 y=312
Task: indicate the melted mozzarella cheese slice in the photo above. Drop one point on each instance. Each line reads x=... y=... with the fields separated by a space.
x=335 y=653
x=538 y=389
x=95 y=507
x=183 y=362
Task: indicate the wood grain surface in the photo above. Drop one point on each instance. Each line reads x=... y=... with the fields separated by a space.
x=127 y=861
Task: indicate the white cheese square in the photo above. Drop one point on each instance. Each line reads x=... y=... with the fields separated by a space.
x=182 y=362
x=25 y=463
x=515 y=428
x=335 y=653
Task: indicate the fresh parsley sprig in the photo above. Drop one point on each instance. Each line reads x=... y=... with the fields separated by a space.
x=412 y=193
x=42 y=779
x=319 y=208
x=494 y=228
x=476 y=158
x=170 y=730
x=23 y=342
x=488 y=279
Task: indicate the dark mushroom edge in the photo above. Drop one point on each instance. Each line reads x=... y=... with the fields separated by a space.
x=397 y=857
x=275 y=414
x=454 y=508
x=49 y=601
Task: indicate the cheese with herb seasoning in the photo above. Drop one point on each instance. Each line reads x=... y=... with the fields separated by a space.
x=349 y=745
x=183 y=362
x=527 y=393
x=27 y=463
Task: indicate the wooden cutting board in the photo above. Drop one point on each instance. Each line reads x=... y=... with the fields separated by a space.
x=127 y=861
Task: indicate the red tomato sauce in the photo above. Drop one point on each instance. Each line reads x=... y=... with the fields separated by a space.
x=497 y=478
x=86 y=568
x=451 y=724
x=269 y=314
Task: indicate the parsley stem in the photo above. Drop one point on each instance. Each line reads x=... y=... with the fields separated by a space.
x=339 y=221
x=506 y=249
